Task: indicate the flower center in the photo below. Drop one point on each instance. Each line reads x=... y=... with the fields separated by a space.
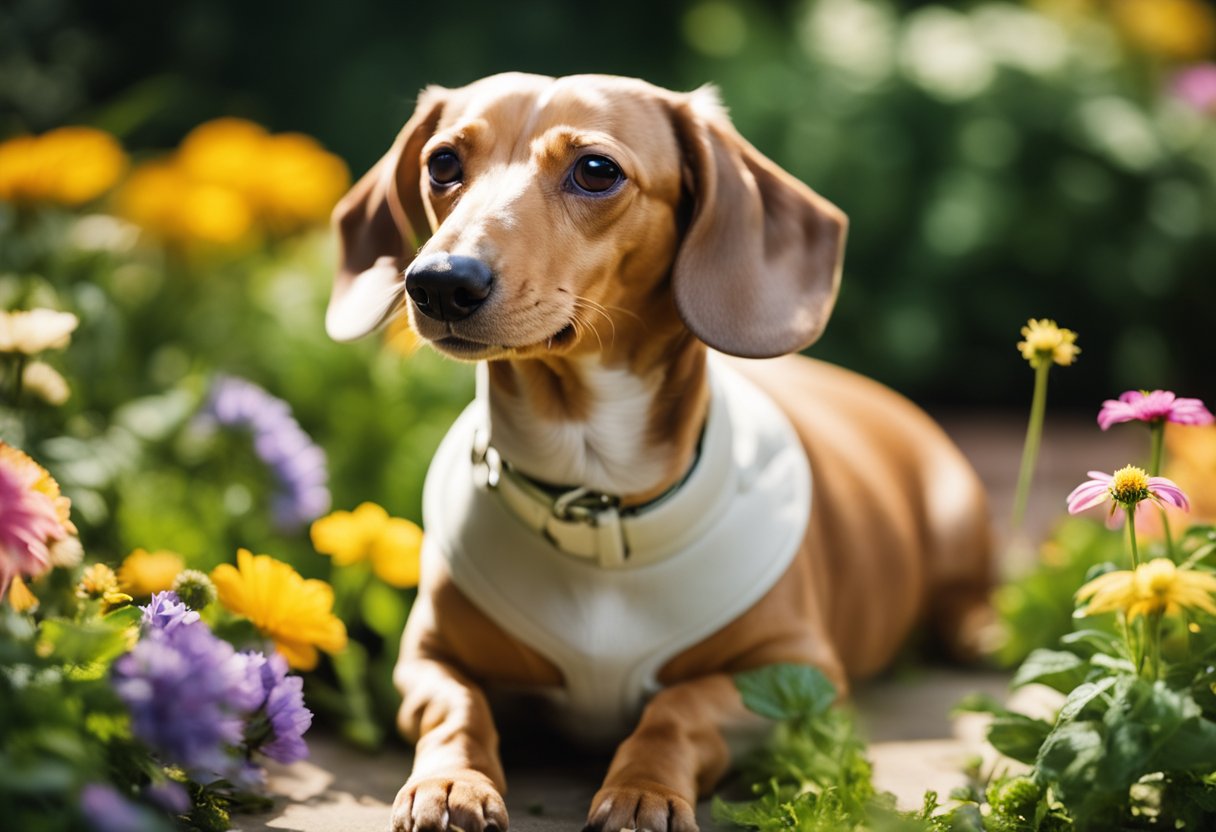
x=1155 y=579
x=1129 y=486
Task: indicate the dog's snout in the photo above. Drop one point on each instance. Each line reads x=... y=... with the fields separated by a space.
x=448 y=287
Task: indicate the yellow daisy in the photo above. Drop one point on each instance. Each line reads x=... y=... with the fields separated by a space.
x=99 y=582
x=143 y=572
x=392 y=544
x=296 y=613
x=1154 y=587
x=1046 y=342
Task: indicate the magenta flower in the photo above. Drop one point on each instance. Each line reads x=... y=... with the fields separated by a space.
x=1129 y=488
x=1157 y=406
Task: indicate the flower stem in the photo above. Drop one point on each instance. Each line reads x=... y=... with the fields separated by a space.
x=1030 y=450
x=1154 y=645
x=1156 y=454
x=1131 y=534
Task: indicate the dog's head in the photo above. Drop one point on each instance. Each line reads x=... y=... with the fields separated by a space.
x=512 y=215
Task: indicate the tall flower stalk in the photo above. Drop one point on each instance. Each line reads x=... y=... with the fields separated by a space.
x=1045 y=344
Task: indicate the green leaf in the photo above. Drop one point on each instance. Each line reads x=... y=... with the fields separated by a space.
x=1056 y=669
x=384 y=609
x=84 y=642
x=1070 y=756
x=1089 y=642
x=128 y=616
x=786 y=691
x=1018 y=736
x=1081 y=696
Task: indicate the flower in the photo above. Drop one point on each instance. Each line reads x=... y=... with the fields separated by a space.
x=393 y=544
x=1046 y=342
x=1156 y=587
x=299 y=466
x=1157 y=406
x=35 y=330
x=195 y=589
x=69 y=166
x=188 y=694
x=230 y=180
x=20 y=597
x=99 y=582
x=166 y=612
x=1196 y=85
x=106 y=810
x=143 y=573
x=33 y=517
x=284 y=719
x=1181 y=29
x=1127 y=489
x=297 y=614
x=45 y=382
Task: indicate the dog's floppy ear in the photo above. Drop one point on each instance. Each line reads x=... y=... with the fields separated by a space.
x=380 y=223
x=758 y=268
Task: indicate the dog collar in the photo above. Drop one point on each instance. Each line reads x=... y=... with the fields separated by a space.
x=591 y=525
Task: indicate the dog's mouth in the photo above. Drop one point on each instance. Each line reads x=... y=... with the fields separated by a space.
x=470 y=350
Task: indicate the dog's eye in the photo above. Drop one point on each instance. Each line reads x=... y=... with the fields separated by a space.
x=596 y=174
x=444 y=168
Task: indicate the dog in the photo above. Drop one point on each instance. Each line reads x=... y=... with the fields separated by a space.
x=634 y=508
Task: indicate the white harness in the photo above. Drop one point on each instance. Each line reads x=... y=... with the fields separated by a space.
x=610 y=596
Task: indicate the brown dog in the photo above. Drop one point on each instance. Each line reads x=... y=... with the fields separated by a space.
x=591 y=238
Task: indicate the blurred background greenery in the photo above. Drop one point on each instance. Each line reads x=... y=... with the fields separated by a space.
x=998 y=160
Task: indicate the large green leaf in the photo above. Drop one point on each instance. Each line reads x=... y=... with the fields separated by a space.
x=1018 y=736
x=1057 y=669
x=786 y=691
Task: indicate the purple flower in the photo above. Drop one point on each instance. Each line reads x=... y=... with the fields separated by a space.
x=106 y=810
x=170 y=796
x=1155 y=406
x=166 y=612
x=1128 y=489
x=298 y=465
x=280 y=734
x=1196 y=86
x=188 y=693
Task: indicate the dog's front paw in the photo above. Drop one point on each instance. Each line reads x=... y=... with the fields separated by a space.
x=466 y=801
x=646 y=807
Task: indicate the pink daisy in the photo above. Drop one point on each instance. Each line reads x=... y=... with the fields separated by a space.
x=1157 y=406
x=28 y=521
x=1127 y=488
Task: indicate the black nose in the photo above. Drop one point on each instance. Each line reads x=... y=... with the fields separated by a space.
x=448 y=287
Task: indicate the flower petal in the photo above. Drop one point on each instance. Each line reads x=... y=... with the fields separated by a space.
x=1167 y=491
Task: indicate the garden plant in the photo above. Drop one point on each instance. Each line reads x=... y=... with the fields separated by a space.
x=208 y=536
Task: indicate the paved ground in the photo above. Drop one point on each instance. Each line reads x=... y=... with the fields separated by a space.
x=914 y=744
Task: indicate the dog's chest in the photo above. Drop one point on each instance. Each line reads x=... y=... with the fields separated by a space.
x=609 y=630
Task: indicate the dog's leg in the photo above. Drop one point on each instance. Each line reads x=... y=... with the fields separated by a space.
x=678 y=752
x=457 y=781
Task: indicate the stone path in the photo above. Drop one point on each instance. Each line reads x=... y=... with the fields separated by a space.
x=914 y=744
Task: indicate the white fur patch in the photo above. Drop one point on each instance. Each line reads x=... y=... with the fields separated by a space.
x=607 y=452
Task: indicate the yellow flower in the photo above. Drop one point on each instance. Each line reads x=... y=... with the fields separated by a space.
x=400 y=336
x=1179 y=29
x=231 y=179
x=69 y=166
x=1046 y=342
x=1154 y=587
x=392 y=544
x=100 y=583
x=143 y=572
x=32 y=331
x=20 y=597
x=296 y=613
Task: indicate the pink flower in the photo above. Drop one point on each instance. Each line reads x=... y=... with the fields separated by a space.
x=1157 y=406
x=1128 y=488
x=28 y=521
x=1196 y=86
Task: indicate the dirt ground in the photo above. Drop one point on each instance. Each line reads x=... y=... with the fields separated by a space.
x=914 y=744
